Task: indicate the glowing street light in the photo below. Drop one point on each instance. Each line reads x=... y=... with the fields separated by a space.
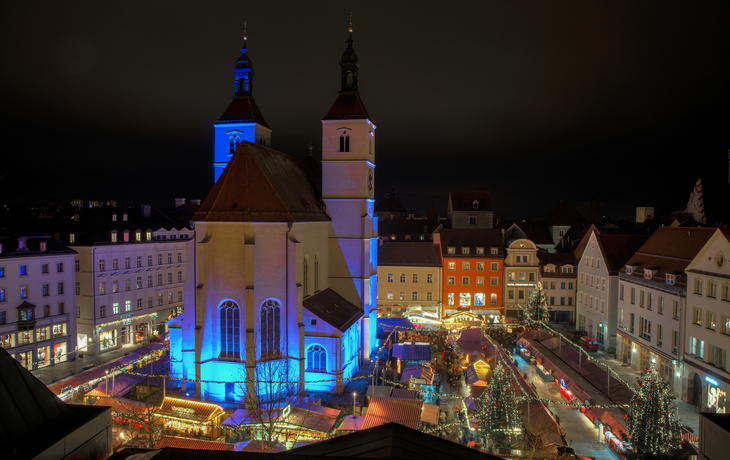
x=353 y=405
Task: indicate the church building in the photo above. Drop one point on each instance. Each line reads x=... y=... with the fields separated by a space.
x=285 y=255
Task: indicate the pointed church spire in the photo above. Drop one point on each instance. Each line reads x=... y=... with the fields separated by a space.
x=349 y=65
x=244 y=70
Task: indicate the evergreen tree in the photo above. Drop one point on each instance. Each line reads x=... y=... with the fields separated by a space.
x=499 y=418
x=538 y=302
x=653 y=431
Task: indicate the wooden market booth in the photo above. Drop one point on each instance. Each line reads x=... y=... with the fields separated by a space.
x=186 y=416
x=462 y=319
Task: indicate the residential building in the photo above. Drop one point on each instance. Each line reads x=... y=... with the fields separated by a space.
x=37 y=323
x=131 y=273
x=561 y=219
x=707 y=337
x=597 y=305
x=409 y=279
x=521 y=273
x=470 y=209
x=472 y=271
x=286 y=257
x=592 y=210
x=652 y=293
x=558 y=275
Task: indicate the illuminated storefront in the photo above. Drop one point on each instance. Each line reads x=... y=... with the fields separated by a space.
x=186 y=417
x=716 y=396
x=108 y=339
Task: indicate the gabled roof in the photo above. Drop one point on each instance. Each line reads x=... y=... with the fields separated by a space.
x=462 y=200
x=347 y=106
x=618 y=249
x=565 y=214
x=263 y=185
x=242 y=109
x=409 y=254
x=189 y=443
x=333 y=309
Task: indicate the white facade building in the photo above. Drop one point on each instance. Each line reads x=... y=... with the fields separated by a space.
x=707 y=340
x=37 y=326
x=597 y=308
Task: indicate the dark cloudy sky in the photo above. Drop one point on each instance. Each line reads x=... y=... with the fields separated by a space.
x=626 y=102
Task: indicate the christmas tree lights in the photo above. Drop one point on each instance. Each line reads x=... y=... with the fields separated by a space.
x=653 y=430
x=538 y=302
x=499 y=418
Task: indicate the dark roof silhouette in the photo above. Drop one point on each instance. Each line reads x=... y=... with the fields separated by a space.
x=409 y=254
x=333 y=308
x=347 y=106
x=471 y=238
x=565 y=214
x=260 y=184
x=242 y=109
x=462 y=200
x=618 y=249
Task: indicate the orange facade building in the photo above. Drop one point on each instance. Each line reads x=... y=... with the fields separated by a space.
x=473 y=277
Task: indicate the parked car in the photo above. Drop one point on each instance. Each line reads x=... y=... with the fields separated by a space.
x=589 y=343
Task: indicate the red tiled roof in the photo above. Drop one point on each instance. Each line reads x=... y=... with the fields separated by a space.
x=618 y=249
x=471 y=238
x=347 y=106
x=188 y=443
x=409 y=254
x=263 y=185
x=384 y=410
x=242 y=109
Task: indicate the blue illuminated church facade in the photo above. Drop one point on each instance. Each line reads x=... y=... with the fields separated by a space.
x=285 y=255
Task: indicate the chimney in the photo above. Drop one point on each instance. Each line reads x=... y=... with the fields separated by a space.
x=180 y=202
x=146 y=210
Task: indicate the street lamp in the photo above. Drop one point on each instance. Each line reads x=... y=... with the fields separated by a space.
x=353 y=405
x=107 y=382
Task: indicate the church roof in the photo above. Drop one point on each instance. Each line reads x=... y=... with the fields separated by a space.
x=263 y=185
x=463 y=200
x=242 y=109
x=565 y=214
x=333 y=309
x=347 y=106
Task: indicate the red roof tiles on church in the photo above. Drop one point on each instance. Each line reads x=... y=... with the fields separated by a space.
x=347 y=106
x=263 y=185
x=463 y=200
x=242 y=109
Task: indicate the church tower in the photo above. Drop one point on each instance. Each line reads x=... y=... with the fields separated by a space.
x=242 y=119
x=348 y=180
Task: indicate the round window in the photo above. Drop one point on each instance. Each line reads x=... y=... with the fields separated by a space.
x=720 y=260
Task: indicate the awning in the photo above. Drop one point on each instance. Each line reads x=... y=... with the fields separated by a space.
x=388 y=324
x=411 y=351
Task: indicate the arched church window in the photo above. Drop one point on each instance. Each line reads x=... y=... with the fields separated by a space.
x=347 y=142
x=270 y=327
x=230 y=333
x=344 y=142
x=233 y=142
x=349 y=78
x=316 y=359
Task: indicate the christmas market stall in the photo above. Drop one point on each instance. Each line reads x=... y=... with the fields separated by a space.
x=388 y=325
x=461 y=320
x=191 y=417
x=406 y=412
x=417 y=376
x=476 y=377
x=409 y=352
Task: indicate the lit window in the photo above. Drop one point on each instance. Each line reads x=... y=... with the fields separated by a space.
x=270 y=322
x=316 y=359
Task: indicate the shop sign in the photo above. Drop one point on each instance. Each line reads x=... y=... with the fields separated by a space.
x=128 y=315
x=712 y=381
x=183 y=411
x=285 y=413
x=127 y=323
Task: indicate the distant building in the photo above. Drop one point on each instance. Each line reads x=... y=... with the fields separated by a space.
x=644 y=213
x=522 y=269
x=592 y=210
x=391 y=208
x=409 y=278
x=37 y=314
x=561 y=219
x=558 y=275
x=470 y=209
x=472 y=271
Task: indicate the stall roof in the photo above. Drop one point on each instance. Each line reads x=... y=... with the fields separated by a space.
x=388 y=324
x=310 y=420
x=430 y=414
x=404 y=393
x=351 y=423
x=402 y=411
x=188 y=410
x=257 y=446
x=379 y=391
x=189 y=443
x=412 y=351
x=418 y=373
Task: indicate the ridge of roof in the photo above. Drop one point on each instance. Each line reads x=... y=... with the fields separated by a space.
x=347 y=106
x=242 y=109
x=260 y=184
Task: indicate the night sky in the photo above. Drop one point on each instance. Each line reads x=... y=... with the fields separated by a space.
x=626 y=102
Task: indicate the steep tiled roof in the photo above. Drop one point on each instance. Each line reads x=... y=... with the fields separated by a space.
x=409 y=254
x=471 y=238
x=668 y=250
x=347 y=106
x=333 y=309
x=462 y=200
x=565 y=214
x=402 y=411
x=189 y=443
x=618 y=249
x=242 y=109
x=263 y=185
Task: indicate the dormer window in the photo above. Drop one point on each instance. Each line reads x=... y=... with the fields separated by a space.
x=480 y=250
x=494 y=251
x=567 y=269
x=124 y=216
x=114 y=236
x=451 y=250
x=71 y=238
x=44 y=246
x=475 y=204
x=344 y=141
x=21 y=244
x=629 y=269
x=126 y=236
x=149 y=235
x=670 y=278
x=648 y=273
x=138 y=235
x=114 y=217
x=465 y=250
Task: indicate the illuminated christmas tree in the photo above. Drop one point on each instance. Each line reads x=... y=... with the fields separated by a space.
x=499 y=418
x=653 y=430
x=538 y=302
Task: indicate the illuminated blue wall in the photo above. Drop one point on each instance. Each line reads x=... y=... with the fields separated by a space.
x=222 y=147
